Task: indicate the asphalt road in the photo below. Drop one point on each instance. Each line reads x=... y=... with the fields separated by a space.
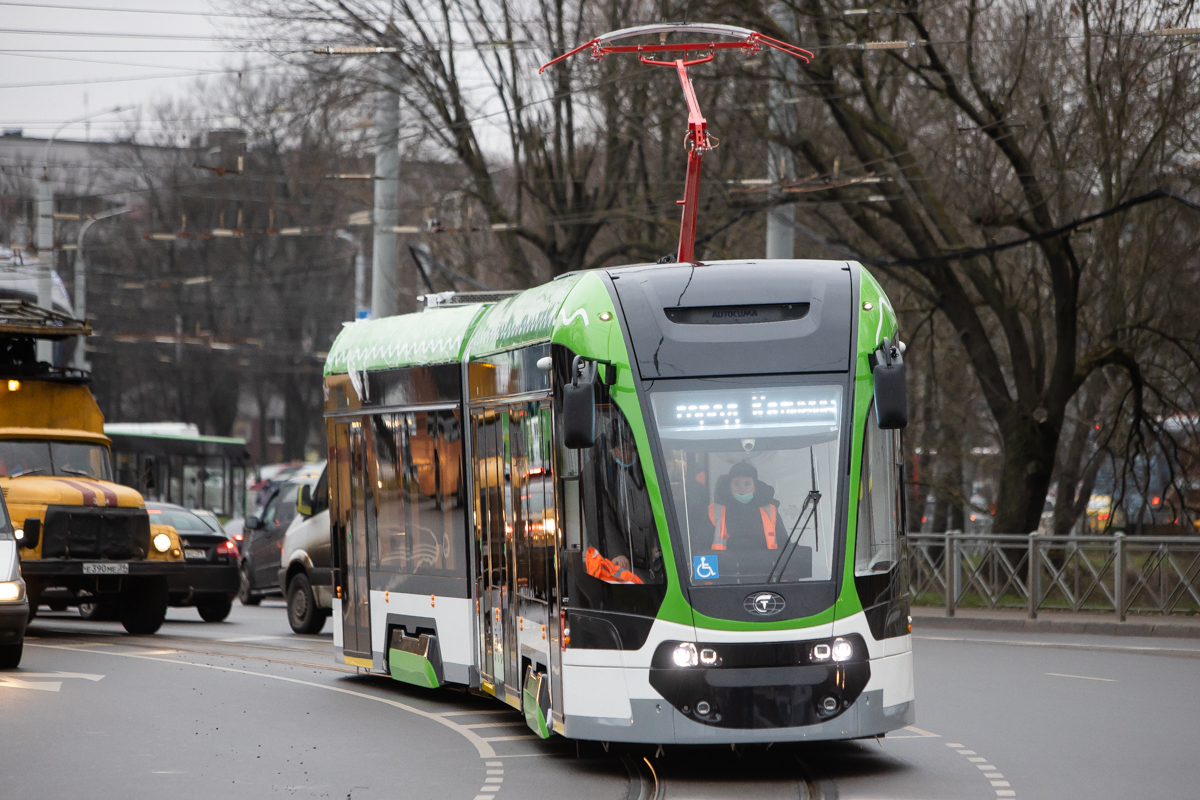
x=246 y=709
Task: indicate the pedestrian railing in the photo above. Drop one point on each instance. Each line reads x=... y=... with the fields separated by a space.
x=1115 y=574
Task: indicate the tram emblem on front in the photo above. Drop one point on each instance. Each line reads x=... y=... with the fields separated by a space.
x=764 y=603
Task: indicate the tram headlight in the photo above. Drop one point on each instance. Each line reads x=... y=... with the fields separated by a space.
x=842 y=650
x=820 y=652
x=685 y=655
x=162 y=542
x=709 y=657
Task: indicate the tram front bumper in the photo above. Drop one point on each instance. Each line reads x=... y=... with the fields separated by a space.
x=779 y=702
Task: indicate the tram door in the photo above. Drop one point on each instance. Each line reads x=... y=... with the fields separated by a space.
x=355 y=515
x=492 y=535
x=535 y=536
x=515 y=540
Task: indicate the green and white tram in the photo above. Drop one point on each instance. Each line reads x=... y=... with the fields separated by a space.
x=656 y=504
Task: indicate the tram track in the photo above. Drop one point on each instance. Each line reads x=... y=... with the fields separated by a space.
x=710 y=773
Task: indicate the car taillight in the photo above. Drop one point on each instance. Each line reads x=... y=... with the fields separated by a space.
x=227 y=548
x=238 y=536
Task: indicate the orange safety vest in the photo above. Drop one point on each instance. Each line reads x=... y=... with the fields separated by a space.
x=600 y=567
x=720 y=534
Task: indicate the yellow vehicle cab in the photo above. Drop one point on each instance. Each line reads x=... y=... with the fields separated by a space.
x=80 y=535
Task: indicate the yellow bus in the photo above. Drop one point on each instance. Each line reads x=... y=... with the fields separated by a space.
x=76 y=529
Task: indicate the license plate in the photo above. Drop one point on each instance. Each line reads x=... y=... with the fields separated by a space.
x=105 y=569
x=200 y=554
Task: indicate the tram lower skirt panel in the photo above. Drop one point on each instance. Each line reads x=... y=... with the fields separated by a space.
x=763 y=697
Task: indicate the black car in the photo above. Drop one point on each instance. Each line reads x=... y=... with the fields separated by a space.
x=210 y=574
x=14 y=606
x=262 y=547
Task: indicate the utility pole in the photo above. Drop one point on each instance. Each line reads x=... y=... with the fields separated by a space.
x=385 y=256
x=781 y=118
x=45 y=247
x=361 y=310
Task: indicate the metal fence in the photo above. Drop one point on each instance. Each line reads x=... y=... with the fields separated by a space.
x=1101 y=574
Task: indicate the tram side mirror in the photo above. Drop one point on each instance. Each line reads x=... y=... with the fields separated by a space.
x=304 y=501
x=579 y=406
x=31 y=533
x=891 y=394
x=252 y=523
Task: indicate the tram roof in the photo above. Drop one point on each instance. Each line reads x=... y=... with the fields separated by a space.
x=433 y=336
x=440 y=335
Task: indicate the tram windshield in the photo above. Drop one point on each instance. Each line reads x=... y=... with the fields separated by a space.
x=754 y=479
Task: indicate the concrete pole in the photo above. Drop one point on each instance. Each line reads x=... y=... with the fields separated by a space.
x=781 y=219
x=45 y=246
x=385 y=257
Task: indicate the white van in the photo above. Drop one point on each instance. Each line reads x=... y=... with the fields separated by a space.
x=305 y=569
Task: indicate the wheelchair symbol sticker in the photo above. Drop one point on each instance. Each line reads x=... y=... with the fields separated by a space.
x=705 y=568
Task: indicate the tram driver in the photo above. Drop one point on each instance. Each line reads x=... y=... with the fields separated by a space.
x=744 y=513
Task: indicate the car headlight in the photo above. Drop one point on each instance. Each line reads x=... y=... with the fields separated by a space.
x=162 y=542
x=685 y=655
x=10 y=591
x=842 y=650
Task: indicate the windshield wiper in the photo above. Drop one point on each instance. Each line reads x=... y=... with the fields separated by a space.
x=808 y=513
x=27 y=472
x=73 y=471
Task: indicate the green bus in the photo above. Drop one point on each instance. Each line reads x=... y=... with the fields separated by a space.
x=658 y=503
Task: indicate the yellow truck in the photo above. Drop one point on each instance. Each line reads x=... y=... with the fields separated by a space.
x=81 y=537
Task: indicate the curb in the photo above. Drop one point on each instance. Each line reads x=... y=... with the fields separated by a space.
x=1042 y=625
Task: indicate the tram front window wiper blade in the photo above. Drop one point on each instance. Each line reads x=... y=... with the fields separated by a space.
x=808 y=513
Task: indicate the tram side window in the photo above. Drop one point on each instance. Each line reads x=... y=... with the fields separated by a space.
x=387 y=437
x=432 y=478
x=620 y=536
x=878 y=547
x=533 y=517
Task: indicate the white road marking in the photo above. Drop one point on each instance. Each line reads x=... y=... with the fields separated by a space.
x=484 y=796
x=42 y=686
x=493 y=780
x=992 y=775
x=17 y=680
x=489 y=711
x=953 y=744
x=921 y=734
x=966 y=752
x=1001 y=783
x=1080 y=677
x=985 y=766
x=495 y=724
x=976 y=759
x=495 y=772
x=491 y=763
x=81 y=675
x=1005 y=793
x=509 y=738
x=485 y=750
x=237 y=639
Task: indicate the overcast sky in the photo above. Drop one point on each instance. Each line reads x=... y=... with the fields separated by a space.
x=84 y=57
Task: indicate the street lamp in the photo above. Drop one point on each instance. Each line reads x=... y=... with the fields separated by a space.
x=45 y=228
x=81 y=282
